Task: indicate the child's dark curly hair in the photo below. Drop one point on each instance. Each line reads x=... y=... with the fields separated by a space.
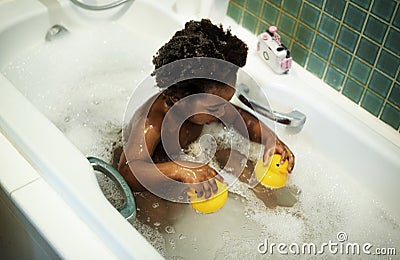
x=198 y=39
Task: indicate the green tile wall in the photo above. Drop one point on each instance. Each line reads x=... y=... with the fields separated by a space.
x=352 y=45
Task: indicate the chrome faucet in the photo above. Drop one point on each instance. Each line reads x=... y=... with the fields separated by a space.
x=294 y=119
x=55 y=31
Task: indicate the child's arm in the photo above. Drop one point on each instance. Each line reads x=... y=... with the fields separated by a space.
x=143 y=139
x=185 y=172
x=260 y=133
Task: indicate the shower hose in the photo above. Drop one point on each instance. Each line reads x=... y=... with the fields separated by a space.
x=99 y=7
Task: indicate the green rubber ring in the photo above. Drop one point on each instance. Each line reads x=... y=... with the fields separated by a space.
x=128 y=209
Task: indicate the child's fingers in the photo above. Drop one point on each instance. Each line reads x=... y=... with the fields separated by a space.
x=213 y=174
x=211 y=181
x=288 y=155
x=197 y=188
x=213 y=185
x=219 y=177
x=207 y=189
x=291 y=162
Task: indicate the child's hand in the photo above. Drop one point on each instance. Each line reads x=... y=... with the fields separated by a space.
x=199 y=174
x=283 y=150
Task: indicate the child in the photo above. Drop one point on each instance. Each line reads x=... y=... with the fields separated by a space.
x=197 y=39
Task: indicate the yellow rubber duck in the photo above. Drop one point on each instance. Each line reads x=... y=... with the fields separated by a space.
x=214 y=203
x=274 y=175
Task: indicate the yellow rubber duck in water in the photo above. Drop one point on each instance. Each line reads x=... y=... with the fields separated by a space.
x=214 y=203
x=274 y=175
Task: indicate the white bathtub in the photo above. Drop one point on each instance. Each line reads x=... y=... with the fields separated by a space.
x=46 y=181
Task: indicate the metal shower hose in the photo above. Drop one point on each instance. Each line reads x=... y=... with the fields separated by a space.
x=99 y=7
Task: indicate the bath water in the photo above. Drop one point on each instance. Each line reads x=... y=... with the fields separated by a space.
x=326 y=207
x=82 y=83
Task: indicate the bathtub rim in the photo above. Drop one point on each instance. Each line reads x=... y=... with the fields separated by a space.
x=361 y=115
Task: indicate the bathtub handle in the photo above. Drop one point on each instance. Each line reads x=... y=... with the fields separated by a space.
x=295 y=119
x=128 y=209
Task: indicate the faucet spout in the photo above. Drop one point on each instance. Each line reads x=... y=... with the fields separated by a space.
x=293 y=119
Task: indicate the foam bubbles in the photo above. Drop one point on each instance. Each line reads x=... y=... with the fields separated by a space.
x=82 y=83
x=153 y=236
x=326 y=206
x=110 y=190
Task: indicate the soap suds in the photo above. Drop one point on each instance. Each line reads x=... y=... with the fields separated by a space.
x=84 y=89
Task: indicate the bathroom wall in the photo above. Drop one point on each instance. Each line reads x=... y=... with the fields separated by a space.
x=352 y=45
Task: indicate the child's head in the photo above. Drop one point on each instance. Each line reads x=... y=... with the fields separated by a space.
x=199 y=39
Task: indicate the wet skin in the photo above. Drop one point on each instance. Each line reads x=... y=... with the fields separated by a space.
x=145 y=136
